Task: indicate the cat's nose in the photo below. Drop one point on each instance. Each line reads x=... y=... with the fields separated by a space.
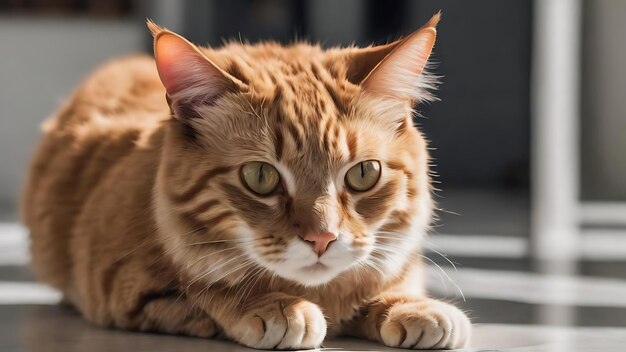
x=320 y=240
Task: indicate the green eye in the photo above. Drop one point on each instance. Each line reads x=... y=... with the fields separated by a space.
x=363 y=176
x=261 y=178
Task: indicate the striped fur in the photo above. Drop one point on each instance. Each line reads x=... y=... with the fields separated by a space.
x=139 y=215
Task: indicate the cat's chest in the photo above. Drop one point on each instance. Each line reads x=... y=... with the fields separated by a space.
x=341 y=304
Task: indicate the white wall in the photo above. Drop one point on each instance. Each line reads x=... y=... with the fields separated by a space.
x=41 y=60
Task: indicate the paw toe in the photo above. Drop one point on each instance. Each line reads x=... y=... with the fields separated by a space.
x=298 y=325
x=425 y=325
x=392 y=333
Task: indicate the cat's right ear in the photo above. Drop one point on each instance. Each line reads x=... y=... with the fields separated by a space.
x=188 y=75
x=396 y=70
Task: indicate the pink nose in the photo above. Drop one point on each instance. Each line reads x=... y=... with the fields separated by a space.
x=320 y=240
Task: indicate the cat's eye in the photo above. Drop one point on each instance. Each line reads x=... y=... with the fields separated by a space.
x=363 y=176
x=261 y=178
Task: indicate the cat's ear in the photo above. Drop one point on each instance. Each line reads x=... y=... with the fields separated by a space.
x=187 y=74
x=397 y=68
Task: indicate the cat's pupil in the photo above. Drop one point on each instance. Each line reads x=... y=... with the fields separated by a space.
x=362 y=171
x=261 y=174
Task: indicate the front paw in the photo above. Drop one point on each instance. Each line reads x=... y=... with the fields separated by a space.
x=281 y=322
x=425 y=324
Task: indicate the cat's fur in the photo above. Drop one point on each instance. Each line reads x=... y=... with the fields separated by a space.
x=139 y=216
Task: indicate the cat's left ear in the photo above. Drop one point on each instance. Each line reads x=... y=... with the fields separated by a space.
x=397 y=68
x=188 y=75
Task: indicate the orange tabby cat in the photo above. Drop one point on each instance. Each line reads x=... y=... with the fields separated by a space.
x=271 y=194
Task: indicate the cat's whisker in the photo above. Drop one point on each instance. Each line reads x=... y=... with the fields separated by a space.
x=224 y=275
x=447 y=211
x=252 y=108
x=198 y=260
x=237 y=241
x=257 y=274
x=146 y=242
x=241 y=281
x=446 y=275
x=205 y=274
x=426 y=240
x=371 y=262
x=445 y=257
x=209 y=272
x=228 y=273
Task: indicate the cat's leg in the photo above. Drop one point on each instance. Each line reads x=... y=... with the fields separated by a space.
x=166 y=312
x=270 y=321
x=176 y=316
x=132 y=295
x=405 y=321
x=137 y=300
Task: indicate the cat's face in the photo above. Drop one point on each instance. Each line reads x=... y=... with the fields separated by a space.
x=297 y=162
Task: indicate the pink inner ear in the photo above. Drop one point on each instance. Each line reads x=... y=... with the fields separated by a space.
x=184 y=71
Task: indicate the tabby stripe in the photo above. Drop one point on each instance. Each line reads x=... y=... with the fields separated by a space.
x=324 y=125
x=375 y=206
x=399 y=220
x=290 y=85
x=336 y=139
x=344 y=203
x=278 y=91
x=297 y=111
x=352 y=144
x=202 y=207
x=272 y=251
x=295 y=134
x=278 y=143
x=274 y=81
x=321 y=103
x=316 y=73
x=197 y=222
x=199 y=184
x=281 y=120
x=336 y=99
x=398 y=166
x=252 y=210
x=236 y=70
x=215 y=221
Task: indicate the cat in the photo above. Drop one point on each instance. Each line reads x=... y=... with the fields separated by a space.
x=272 y=195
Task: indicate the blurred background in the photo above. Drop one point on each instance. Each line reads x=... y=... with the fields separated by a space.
x=528 y=140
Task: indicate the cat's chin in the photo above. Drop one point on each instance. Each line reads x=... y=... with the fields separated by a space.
x=311 y=275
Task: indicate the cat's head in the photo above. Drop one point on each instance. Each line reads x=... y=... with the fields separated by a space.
x=295 y=161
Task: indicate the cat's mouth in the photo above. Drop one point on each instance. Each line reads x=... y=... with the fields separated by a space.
x=318 y=266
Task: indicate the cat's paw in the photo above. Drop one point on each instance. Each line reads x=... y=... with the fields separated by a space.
x=426 y=324
x=284 y=323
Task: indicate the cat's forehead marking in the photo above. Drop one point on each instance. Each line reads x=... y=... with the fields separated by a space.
x=305 y=96
x=307 y=75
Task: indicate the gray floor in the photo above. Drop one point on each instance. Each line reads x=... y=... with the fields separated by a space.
x=513 y=306
x=53 y=328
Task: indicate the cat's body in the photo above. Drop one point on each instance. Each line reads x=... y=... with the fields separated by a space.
x=147 y=222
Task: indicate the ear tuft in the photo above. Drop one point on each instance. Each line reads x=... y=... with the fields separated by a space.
x=433 y=21
x=400 y=74
x=153 y=27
